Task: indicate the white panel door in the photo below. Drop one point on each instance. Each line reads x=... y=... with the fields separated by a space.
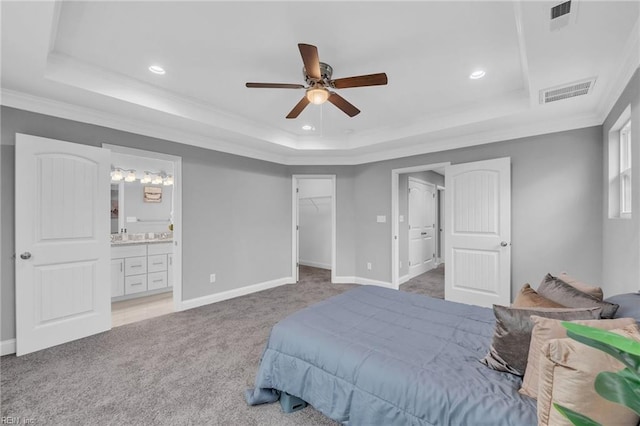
x=478 y=232
x=63 y=289
x=421 y=211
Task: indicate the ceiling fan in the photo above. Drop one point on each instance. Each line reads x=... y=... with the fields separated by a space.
x=317 y=75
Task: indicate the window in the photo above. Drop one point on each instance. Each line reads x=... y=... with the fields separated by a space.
x=625 y=170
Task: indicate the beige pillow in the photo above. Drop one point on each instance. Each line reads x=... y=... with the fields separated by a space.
x=545 y=329
x=529 y=298
x=585 y=288
x=568 y=370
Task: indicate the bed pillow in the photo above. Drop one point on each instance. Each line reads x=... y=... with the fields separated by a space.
x=512 y=334
x=629 y=305
x=529 y=298
x=545 y=329
x=567 y=373
x=561 y=292
x=579 y=285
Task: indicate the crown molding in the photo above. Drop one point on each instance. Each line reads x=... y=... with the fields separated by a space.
x=24 y=101
x=630 y=63
x=67 y=111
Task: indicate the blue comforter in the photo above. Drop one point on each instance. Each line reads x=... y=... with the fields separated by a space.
x=374 y=356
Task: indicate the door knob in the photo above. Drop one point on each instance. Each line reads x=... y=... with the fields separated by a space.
x=26 y=255
x=504 y=244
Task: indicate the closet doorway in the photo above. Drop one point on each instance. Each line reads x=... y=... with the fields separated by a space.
x=314 y=224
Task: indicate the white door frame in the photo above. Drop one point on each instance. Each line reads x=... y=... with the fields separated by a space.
x=395 y=248
x=440 y=207
x=294 y=223
x=177 y=213
x=433 y=187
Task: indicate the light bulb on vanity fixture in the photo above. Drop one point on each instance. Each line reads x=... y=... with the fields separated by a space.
x=156 y=179
x=146 y=178
x=131 y=176
x=168 y=181
x=117 y=175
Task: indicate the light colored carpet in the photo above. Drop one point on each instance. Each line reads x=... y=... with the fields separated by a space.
x=430 y=283
x=187 y=368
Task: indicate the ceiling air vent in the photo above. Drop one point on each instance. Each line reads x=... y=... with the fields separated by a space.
x=561 y=9
x=570 y=90
x=563 y=14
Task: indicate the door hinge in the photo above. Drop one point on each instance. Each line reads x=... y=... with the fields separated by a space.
x=297 y=190
x=297 y=228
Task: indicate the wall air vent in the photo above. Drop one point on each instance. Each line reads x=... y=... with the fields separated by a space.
x=561 y=9
x=566 y=91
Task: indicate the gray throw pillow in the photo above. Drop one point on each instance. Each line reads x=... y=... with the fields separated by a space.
x=509 y=349
x=560 y=292
x=629 y=305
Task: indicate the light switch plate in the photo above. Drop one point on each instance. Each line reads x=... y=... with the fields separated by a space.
x=401 y=218
x=381 y=219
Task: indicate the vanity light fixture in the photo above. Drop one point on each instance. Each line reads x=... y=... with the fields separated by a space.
x=156 y=179
x=117 y=175
x=146 y=178
x=131 y=176
x=477 y=74
x=157 y=69
x=168 y=181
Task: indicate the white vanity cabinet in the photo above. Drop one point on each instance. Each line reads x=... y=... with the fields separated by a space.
x=117 y=277
x=139 y=268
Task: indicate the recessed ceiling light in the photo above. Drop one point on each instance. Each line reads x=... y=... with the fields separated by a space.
x=477 y=74
x=308 y=127
x=157 y=69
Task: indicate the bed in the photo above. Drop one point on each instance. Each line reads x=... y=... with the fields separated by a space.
x=375 y=356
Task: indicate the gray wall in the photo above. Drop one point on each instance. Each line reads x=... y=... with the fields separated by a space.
x=134 y=206
x=236 y=210
x=403 y=207
x=555 y=214
x=621 y=243
x=345 y=213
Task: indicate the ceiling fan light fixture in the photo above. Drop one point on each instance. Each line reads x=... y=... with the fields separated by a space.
x=317 y=95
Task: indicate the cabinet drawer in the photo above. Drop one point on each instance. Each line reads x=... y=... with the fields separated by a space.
x=160 y=248
x=157 y=263
x=135 y=284
x=135 y=265
x=156 y=280
x=118 y=252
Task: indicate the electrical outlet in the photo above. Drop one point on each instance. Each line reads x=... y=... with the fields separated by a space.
x=368 y=266
x=212 y=278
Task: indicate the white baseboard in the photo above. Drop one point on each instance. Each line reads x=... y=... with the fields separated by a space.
x=315 y=264
x=343 y=280
x=237 y=292
x=8 y=347
x=362 y=281
x=404 y=279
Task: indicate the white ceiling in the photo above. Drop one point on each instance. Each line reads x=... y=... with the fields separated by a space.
x=88 y=61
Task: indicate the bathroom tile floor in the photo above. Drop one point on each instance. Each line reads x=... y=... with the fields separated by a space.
x=142 y=308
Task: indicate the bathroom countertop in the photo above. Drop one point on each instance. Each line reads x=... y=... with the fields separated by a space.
x=133 y=242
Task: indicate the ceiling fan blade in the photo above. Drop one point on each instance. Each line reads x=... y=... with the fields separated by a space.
x=295 y=112
x=343 y=104
x=310 y=58
x=379 y=79
x=274 y=86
